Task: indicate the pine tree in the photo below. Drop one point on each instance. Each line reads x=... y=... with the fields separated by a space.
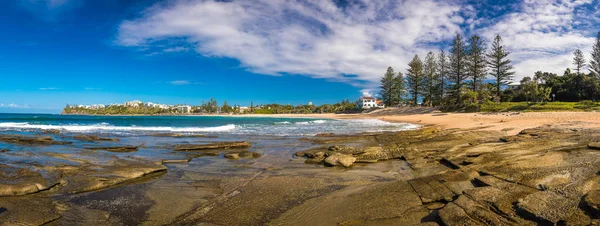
x=500 y=67
x=476 y=62
x=399 y=88
x=578 y=61
x=458 y=66
x=430 y=79
x=442 y=69
x=595 y=61
x=387 y=88
x=414 y=79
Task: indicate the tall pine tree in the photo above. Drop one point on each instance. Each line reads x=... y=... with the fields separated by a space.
x=595 y=61
x=578 y=61
x=442 y=69
x=476 y=62
x=414 y=79
x=458 y=67
x=430 y=79
x=499 y=64
x=399 y=88
x=387 y=88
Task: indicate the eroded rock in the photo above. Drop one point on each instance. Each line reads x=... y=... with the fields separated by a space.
x=91 y=138
x=115 y=148
x=30 y=140
x=209 y=146
x=337 y=159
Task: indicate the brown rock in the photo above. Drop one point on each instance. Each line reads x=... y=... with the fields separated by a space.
x=29 y=140
x=232 y=156
x=592 y=201
x=91 y=138
x=217 y=145
x=595 y=146
x=340 y=160
x=115 y=148
x=547 y=206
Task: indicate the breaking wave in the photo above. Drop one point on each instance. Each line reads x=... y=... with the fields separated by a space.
x=108 y=127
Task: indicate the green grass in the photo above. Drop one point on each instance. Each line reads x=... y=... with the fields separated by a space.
x=540 y=107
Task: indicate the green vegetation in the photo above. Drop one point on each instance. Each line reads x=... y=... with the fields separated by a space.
x=458 y=82
x=539 y=107
x=211 y=107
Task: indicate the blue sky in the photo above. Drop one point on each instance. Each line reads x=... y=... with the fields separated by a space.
x=55 y=52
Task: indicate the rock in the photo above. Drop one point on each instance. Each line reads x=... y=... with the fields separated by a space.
x=176 y=161
x=434 y=205
x=115 y=148
x=340 y=159
x=30 y=140
x=91 y=138
x=325 y=135
x=180 y=135
x=232 y=156
x=249 y=154
x=452 y=214
x=51 y=131
x=4 y=150
x=431 y=190
x=217 y=145
x=547 y=206
x=299 y=154
x=592 y=201
x=595 y=146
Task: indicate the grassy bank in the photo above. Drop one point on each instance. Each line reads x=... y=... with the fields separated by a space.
x=540 y=107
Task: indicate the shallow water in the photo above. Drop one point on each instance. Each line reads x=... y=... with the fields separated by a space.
x=183 y=186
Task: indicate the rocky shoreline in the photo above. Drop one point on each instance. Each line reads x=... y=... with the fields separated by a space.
x=432 y=176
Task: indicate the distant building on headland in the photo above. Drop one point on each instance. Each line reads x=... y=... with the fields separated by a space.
x=370 y=102
x=135 y=103
x=244 y=109
x=184 y=108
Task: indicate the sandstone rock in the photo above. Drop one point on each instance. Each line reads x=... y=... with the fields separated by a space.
x=115 y=148
x=91 y=138
x=547 y=206
x=592 y=201
x=51 y=131
x=249 y=154
x=30 y=140
x=452 y=214
x=232 y=156
x=209 y=146
x=340 y=159
x=180 y=135
x=595 y=146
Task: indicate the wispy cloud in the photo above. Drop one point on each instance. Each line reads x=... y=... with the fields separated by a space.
x=175 y=49
x=331 y=40
x=180 y=82
x=92 y=88
x=49 y=88
x=2 y=105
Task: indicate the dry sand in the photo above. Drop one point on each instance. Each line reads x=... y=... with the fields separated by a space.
x=511 y=122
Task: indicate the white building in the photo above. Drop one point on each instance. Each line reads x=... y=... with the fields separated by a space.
x=135 y=103
x=184 y=108
x=370 y=102
x=243 y=109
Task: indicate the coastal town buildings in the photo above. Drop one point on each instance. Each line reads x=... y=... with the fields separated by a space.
x=370 y=102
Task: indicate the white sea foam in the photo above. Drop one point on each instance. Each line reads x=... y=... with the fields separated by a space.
x=108 y=127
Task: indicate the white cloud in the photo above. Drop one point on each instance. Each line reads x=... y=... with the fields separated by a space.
x=180 y=82
x=48 y=88
x=12 y=105
x=356 y=42
x=175 y=49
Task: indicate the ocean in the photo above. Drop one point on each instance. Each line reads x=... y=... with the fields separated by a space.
x=218 y=125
